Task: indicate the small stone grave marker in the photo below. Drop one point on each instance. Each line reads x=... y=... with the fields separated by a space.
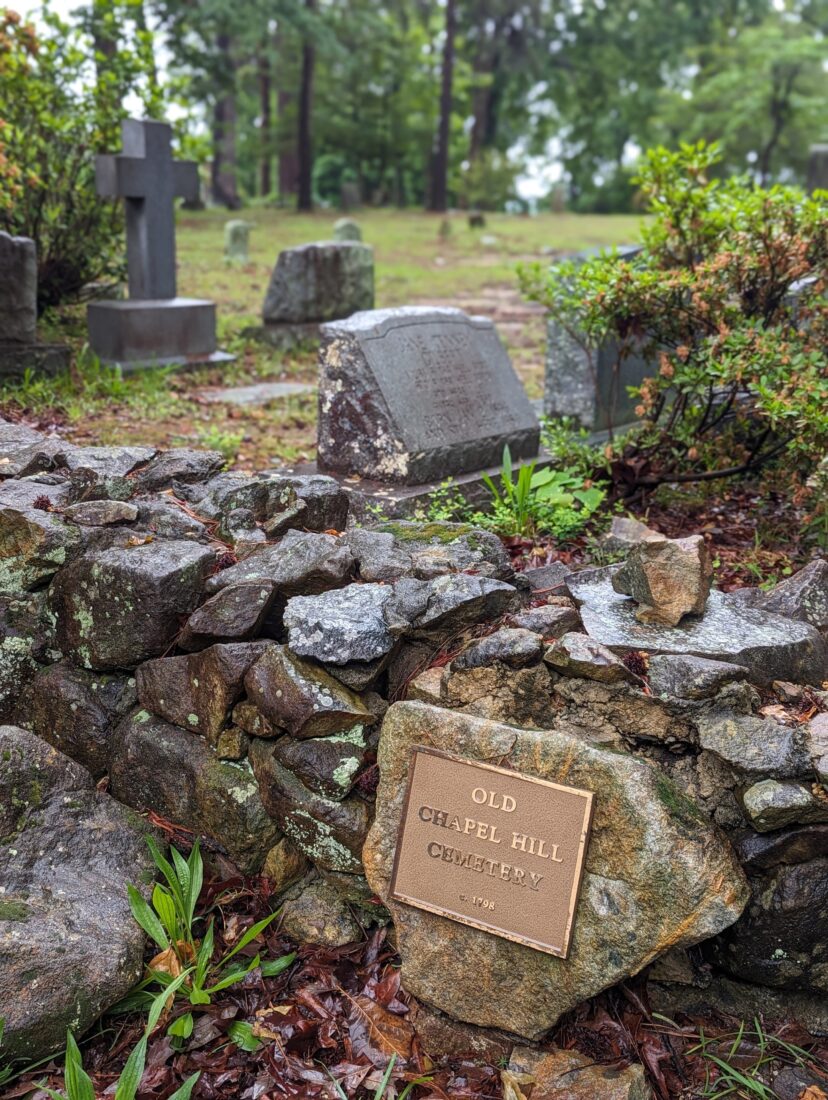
x=19 y=349
x=346 y=229
x=419 y=394
x=493 y=849
x=153 y=327
x=237 y=241
x=818 y=168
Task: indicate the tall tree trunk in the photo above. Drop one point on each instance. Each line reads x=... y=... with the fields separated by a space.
x=304 y=140
x=223 y=185
x=438 y=201
x=266 y=131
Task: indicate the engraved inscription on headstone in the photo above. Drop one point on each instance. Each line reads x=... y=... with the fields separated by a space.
x=419 y=394
x=492 y=848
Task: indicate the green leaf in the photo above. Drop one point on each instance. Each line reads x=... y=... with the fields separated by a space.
x=196 y=881
x=242 y=1035
x=78 y=1082
x=164 y=906
x=231 y=977
x=205 y=954
x=132 y=1072
x=146 y=918
x=168 y=871
x=157 y=1006
x=186 y=1089
x=182 y=1027
x=271 y=967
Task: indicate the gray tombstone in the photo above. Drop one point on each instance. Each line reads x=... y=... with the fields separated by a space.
x=346 y=229
x=589 y=382
x=317 y=282
x=237 y=241
x=818 y=168
x=153 y=327
x=418 y=394
x=19 y=348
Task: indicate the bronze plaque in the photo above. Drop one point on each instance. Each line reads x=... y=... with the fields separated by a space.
x=492 y=848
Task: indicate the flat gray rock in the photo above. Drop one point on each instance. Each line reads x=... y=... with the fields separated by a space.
x=771 y=647
x=347 y=624
x=756 y=747
x=690 y=677
x=301 y=562
x=256 y=395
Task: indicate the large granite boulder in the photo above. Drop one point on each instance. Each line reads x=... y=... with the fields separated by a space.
x=156 y=766
x=667 y=578
x=118 y=607
x=658 y=875
x=69 y=946
x=768 y=645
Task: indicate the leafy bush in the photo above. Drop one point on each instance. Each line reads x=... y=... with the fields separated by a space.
x=62 y=104
x=729 y=295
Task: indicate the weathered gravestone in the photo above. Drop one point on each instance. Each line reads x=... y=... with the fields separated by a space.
x=317 y=282
x=415 y=395
x=237 y=241
x=153 y=327
x=818 y=168
x=588 y=382
x=19 y=349
x=346 y=229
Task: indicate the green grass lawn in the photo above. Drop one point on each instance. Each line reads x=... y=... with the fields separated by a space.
x=473 y=269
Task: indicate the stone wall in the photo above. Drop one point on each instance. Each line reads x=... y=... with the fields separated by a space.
x=224 y=649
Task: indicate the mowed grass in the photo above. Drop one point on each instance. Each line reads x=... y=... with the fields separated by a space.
x=416 y=262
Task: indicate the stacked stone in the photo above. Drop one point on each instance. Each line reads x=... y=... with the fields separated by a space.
x=224 y=648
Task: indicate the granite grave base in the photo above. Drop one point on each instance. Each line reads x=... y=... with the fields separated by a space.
x=16 y=359
x=368 y=498
x=155 y=332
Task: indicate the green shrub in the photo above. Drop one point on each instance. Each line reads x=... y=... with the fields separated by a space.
x=61 y=104
x=741 y=374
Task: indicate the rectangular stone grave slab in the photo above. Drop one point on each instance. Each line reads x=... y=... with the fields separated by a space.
x=412 y=395
x=19 y=347
x=492 y=848
x=162 y=332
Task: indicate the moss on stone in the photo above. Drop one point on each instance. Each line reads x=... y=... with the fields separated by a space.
x=427 y=532
x=12 y=910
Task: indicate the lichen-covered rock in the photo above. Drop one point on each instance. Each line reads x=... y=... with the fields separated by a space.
x=345 y=625
x=570 y=1075
x=522 y=696
x=34 y=542
x=657 y=876
x=326 y=765
x=24 y=639
x=780 y=940
x=578 y=655
x=756 y=747
x=319 y=915
x=157 y=766
x=548 y=620
x=321 y=281
x=816 y=739
x=548 y=580
x=450 y=603
x=329 y=832
x=180 y=466
x=284 y=865
x=248 y=717
x=667 y=578
x=301 y=562
x=301 y=698
x=69 y=947
x=232 y=744
x=116 y=608
x=167 y=520
x=508 y=646
x=771 y=647
x=689 y=677
x=402 y=548
x=803 y=596
x=197 y=692
x=325 y=501
x=76 y=711
x=771 y=805
x=235 y=614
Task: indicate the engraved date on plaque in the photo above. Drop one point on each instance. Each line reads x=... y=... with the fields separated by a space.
x=492 y=848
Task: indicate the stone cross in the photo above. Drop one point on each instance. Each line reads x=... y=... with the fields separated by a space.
x=147 y=177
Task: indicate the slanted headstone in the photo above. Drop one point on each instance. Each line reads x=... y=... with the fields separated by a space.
x=153 y=327
x=589 y=382
x=237 y=241
x=818 y=168
x=19 y=349
x=419 y=394
x=323 y=281
x=346 y=229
